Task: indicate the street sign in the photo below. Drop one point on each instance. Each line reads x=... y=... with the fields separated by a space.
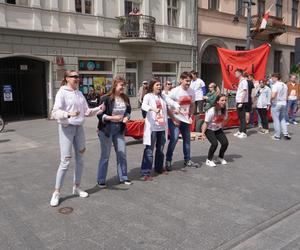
x=7 y=93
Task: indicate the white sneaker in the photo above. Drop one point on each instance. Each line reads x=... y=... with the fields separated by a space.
x=287 y=123
x=55 y=199
x=237 y=133
x=80 y=192
x=242 y=135
x=295 y=123
x=210 y=164
x=222 y=161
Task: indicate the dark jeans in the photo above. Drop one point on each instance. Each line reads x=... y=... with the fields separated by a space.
x=184 y=129
x=199 y=105
x=214 y=137
x=158 y=140
x=242 y=118
x=264 y=117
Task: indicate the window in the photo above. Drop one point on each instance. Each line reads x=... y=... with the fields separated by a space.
x=165 y=71
x=292 y=59
x=277 y=61
x=131 y=78
x=295 y=13
x=95 y=74
x=213 y=4
x=172 y=12
x=240 y=8
x=240 y=48
x=130 y=5
x=261 y=6
x=279 y=8
x=17 y=2
x=84 y=6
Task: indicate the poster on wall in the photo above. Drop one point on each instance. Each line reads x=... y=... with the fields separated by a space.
x=7 y=93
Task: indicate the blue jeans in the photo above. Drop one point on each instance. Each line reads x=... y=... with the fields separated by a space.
x=291 y=104
x=158 y=140
x=278 y=115
x=118 y=140
x=70 y=136
x=184 y=129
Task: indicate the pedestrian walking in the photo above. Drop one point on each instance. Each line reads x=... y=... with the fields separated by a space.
x=278 y=108
x=70 y=109
x=111 y=126
x=212 y=129
x=167 y=87
x=249 y=104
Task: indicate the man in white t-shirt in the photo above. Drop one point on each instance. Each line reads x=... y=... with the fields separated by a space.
x=198 y=86
x=241 y=99
x=185 y=96
x=278 y=109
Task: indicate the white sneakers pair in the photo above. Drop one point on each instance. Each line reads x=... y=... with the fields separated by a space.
x=56 y=196
x=240 y=135
x=212 y=164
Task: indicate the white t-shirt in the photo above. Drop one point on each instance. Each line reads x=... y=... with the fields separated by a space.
x=214 y=122
x=243 y=85
x=281 y=89
x=184 y=98
x=197 y=86
x=119 y=107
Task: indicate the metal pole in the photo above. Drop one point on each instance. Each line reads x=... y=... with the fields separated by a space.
x=249 y=5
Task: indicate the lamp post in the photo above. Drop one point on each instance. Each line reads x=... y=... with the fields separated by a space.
x=248 y=4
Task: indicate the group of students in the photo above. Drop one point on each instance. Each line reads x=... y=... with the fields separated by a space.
x=168 y=113
x=165 y=113
x=262 y=96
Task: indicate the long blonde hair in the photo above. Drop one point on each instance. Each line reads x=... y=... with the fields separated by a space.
x=66 y=74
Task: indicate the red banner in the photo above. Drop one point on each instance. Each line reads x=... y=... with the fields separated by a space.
x=251 y=61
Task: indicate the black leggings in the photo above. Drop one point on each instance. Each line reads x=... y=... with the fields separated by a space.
x=214 y=137
x=264 y=118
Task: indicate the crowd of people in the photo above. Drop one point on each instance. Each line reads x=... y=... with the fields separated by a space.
x=168 y=112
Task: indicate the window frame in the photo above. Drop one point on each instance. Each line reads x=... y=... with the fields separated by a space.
x=295 y=13
x=171 y=9
x=279 y=8
x=277 y=64
x=214 y=5
x=240 y=8
x=83 y=7
x=261 y=7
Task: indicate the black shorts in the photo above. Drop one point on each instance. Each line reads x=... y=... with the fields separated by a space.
x=248 y=107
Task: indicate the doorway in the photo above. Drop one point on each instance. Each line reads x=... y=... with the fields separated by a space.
x=22 y=88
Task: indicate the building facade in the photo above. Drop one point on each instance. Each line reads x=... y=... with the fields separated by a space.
x=40 y=39
x=223 y=23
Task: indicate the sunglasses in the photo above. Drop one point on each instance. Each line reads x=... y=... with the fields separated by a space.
x=169 y=83
x=75 y=77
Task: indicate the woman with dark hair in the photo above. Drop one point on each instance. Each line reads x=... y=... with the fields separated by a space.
x=111 y=126
x=70 y=109
x=155 y=128
x=213 y=131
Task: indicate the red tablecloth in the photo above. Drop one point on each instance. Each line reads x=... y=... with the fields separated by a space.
x=135 y=128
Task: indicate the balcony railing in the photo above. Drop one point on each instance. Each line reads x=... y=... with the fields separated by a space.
x=137 y=29
x=275 y=27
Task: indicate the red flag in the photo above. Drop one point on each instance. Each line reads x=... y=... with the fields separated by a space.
x=251 y=61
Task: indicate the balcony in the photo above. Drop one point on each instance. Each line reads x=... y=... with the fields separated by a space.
x=275 y=27
x=137 y=29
